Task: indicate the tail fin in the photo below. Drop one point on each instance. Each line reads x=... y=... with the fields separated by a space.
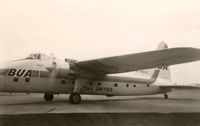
x=162 y=45
x=164 y=71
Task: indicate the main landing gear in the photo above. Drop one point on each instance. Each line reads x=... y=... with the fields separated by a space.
x=166 y=96
x=48 y=97
x=75 y=98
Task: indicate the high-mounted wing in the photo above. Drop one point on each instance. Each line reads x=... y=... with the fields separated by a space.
x=138 y=61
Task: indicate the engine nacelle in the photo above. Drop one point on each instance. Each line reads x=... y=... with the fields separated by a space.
x=59 y=68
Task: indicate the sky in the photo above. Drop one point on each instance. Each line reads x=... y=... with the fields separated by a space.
x=90 y=29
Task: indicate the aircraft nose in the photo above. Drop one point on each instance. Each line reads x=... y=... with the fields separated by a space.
x=4 y=68
x=1 y=82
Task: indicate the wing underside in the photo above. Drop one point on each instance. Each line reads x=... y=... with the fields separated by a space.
x=139 y=61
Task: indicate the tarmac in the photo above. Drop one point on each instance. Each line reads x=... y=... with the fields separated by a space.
x=181 y=109
x=179 y=101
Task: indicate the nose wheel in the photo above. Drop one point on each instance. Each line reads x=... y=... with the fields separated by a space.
x=75 y=98
x=48 y=97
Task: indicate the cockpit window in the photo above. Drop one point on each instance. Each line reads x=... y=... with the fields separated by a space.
x=34 y=56
x=3 y=71
x=39 y=56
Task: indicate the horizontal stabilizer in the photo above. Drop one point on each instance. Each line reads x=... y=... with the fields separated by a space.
x=189 y=86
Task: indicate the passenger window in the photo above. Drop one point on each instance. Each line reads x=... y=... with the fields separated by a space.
x=147 y=85
x=127 y=85
x=99 y=84
x=35 y=73
x=27 y=80
x=63 y=81
x=115 y=85
x=91 y=83
x=15 y=79
x=44 y=74
x=134 y=85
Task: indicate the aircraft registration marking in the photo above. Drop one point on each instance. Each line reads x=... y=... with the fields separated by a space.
x=20 y=73
x=23 y=73
x=104 y=89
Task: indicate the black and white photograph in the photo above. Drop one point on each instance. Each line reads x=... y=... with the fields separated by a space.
x=99 y=63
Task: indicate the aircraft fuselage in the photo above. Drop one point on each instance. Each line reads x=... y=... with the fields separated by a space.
x=38 y=81
x=38 y=76
x=65 y=86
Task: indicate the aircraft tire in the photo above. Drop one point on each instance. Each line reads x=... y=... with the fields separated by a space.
x=75 y=98
x=48 y=97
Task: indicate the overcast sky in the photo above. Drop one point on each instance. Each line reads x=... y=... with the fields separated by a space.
x=87 y=29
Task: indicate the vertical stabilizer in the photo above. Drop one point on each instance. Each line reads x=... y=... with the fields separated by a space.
x=162 y=45
x=164 y=71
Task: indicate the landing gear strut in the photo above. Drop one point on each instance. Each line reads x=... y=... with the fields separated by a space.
x=166 y=96
x=75 y=98
x=48 y=97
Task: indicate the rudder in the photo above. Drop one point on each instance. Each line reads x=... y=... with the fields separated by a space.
x=164 y=71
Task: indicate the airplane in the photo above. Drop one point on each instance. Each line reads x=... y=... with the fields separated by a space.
x=40 y=73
